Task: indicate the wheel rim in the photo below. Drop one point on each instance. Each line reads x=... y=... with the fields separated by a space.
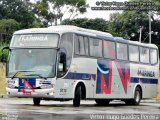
x=137 y=96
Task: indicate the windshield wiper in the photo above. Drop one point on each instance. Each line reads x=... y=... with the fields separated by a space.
x=37 y=75
x=19 y=72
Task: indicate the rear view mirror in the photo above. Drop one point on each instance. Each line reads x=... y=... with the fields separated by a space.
x=62 y=64
x=62 y=60
x=5 y=48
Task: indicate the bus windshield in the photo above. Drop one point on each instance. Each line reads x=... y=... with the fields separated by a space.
x=40 y=62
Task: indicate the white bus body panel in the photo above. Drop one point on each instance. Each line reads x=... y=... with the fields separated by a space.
x=81 y=66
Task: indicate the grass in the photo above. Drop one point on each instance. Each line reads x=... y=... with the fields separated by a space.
x=2 y=69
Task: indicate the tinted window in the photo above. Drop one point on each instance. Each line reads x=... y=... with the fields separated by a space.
x=95 y=47
x=109 y=49
x=79 y=45
x=144 y=55
x=86 y=45
x=66 y=47
x=122 y=53
x=153 y=56
x=133 y=53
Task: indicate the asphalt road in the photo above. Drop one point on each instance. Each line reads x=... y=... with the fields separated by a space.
x=23 y=109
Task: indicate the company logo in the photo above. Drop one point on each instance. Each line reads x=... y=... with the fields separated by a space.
x=26 y=86
x=104 y=77
x=29 y=38
x=146 y=73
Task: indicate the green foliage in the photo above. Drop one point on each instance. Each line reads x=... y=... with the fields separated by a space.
x=37 y=23
x=3 y=44
x=19 y=10
x=128 y=25
x=7 y=27
x=96 y=24
x=129 y=22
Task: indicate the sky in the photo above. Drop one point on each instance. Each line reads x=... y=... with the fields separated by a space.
x=97 y=14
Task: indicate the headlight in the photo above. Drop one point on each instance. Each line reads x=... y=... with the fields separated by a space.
x=51 y=93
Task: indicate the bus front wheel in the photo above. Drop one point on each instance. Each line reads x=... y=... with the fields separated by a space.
x=36 y=101
x=77 y=97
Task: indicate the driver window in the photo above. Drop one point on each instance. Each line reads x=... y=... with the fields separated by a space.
x=66 y=50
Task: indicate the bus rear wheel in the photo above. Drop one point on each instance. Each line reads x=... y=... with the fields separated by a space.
x=36 y=101
x=102 y=101
x=77 y=97
x=137 y=97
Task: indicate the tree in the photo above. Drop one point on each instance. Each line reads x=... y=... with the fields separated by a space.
x=128 y=23
x=95 y=24
x=52 y=11
x=7 y=27
x=19 y=10
x=157 y=3
x=113 y=16
x=154 y=4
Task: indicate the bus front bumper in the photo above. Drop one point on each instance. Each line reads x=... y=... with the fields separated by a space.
x=40 y=93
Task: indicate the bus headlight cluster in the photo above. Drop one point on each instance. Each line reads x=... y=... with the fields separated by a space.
x=46 y=86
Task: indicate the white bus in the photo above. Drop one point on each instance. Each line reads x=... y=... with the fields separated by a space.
x=72 y=63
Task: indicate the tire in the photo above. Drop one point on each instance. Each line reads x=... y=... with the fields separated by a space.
x=36 y=101
x=102 y=101
x=77 y=97
x=137 y=97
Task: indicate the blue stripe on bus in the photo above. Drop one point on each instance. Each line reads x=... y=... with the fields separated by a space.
x=86 y=76
x=143 y=80
x=80 y=76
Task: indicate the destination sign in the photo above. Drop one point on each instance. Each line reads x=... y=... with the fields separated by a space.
x=29 y=38
x=35 y=40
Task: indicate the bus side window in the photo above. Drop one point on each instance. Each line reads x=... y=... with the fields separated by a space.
x=153 y=56
x=122 y=52
x=95 y=47
x=144 y=55
x=65 y=56
x=86 y=44
x=133 y=53
x=80 y=45
x=109 y=49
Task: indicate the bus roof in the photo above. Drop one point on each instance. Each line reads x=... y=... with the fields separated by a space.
x=60 y=29
x=63 y=29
